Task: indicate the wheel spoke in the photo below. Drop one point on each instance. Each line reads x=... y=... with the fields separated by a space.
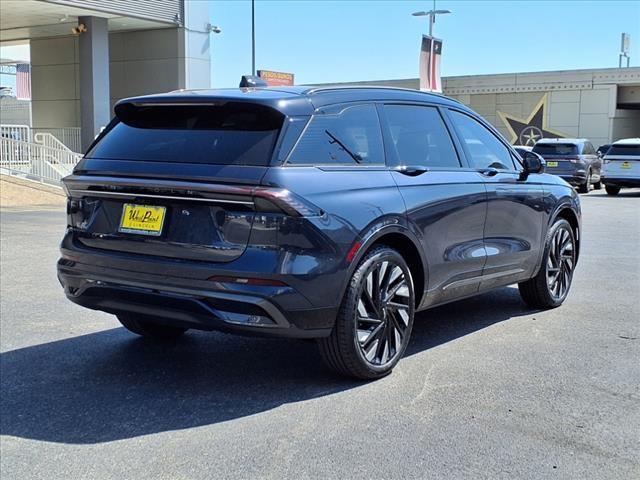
x=370 y=304
x=382 y=344
x=393 y=290
x=374 y=335
x=397 y=325
x=403 y=291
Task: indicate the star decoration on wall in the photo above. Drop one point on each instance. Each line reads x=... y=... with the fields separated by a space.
x=528 y=131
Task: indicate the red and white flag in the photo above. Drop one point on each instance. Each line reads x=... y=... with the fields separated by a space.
x=23 y=81
x=430 y=53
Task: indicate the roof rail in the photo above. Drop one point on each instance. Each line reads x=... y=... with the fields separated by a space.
x=313 y=90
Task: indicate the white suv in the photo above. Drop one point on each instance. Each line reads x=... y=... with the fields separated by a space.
x=621 y=166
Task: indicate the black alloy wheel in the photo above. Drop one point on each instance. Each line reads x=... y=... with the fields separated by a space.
x=374 y=324
x=550 y=287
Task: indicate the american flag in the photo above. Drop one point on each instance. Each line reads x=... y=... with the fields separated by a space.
x=23 y=81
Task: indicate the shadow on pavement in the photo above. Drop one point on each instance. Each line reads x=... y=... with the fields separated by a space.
x=112 y=385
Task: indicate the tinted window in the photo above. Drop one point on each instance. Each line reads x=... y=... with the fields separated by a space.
x=556 y=149
x=234 y=133
x=349 y=137
x=588 y=149
x=602 y=149
x=624 y=150
x=420 y=136
x=483 y=148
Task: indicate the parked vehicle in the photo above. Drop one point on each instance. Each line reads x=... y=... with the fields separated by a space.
x=327 y=213
x=573 y=159
x=602 y=149
x=522 y=150
x=622 y=165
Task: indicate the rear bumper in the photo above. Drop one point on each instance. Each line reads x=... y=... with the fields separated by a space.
x=179 y=302
x=574 y=179
x=621 y=181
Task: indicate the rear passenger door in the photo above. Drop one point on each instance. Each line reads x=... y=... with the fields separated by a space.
x=513 y=229
x=445 y=202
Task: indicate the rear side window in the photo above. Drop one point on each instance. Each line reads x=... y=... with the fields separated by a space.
x=420 y=136
x=587 y=149
x=556 y=149
x=631 y=150
x=349 y=137
x=232 y=133
x=483 y=147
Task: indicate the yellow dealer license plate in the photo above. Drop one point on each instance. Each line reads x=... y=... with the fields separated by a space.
x=552 y=164
x=143 y=219
x=625 y=165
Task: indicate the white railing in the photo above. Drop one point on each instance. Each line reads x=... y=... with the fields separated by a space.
x=16 y=132
x=35 y=161
x=48 y=140
x=67 y=136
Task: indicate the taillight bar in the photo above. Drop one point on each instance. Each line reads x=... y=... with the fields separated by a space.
x=261 y=198
x=288 y=202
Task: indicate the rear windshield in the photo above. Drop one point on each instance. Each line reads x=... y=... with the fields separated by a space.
x=556 y=149
x=232 y=133
x=624 y=150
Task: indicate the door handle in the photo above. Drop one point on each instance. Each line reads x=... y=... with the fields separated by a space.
x=488 y=172
x=411 y=170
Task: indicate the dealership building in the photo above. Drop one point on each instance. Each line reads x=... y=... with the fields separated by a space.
x=87 y=54
x=599 y=104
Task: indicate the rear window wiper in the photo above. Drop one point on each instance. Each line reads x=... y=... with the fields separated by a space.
x=356 y=158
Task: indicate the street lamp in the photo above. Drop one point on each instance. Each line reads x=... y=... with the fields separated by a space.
x=432 y=16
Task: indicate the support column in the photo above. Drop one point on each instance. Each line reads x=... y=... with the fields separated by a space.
x=94 y=78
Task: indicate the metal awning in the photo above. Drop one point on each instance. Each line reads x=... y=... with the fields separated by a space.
x=26 y=19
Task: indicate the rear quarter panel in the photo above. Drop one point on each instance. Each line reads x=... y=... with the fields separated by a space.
x=356 y=201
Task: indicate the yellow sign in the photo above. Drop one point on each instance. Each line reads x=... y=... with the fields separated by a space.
x=144 y=219
x=276 y=79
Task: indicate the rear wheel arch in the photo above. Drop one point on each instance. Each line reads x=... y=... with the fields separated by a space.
x=570 y=216
x=401 y=240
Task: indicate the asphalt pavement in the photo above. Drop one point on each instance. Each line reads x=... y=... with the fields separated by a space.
x=487 y=389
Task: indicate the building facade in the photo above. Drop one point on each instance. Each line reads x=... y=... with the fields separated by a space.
x=87 y=54
x=600 y=104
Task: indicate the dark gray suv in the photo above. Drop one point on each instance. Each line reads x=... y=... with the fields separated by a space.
x=573 y=159
x=326 y=213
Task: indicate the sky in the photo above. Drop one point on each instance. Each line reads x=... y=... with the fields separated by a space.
x=323 y=41
x=342 y=41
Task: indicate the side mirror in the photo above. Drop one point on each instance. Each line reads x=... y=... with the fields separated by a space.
x=533 y=163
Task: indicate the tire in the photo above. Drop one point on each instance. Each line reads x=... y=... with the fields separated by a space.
x=597 y=185
x=374 y=323
x=547 y=290
x=140 y=325
x=584 y=188
x=612 y=190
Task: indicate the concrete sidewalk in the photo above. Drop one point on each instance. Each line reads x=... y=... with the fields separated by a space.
x=16 y=192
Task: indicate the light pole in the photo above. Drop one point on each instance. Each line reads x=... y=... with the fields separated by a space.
x=253 y=37
x=432 y=19
x=432 y=16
